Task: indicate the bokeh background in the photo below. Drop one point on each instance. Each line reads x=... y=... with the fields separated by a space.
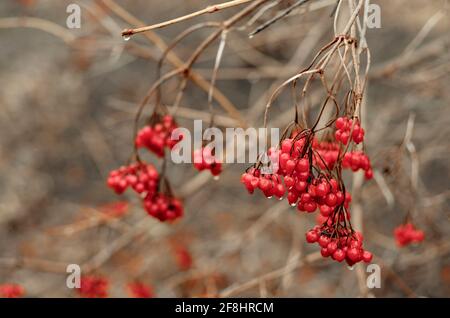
x=68 y=99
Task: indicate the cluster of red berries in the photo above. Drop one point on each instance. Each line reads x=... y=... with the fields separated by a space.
x=163 y=207
x=326 y=154
x=344 y=129
x=269 y=184
x=356 y=160
x=204 y=159
x=11 y=291
x=140 y=290
x=93 y=287
x=303 y=189
x=344 y=245
x=98 y=287
x=304 y=171
x=141 y=177
x=157 y=137
x=406 y=234
x=144 y=178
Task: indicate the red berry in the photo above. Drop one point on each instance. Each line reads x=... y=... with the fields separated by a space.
x=339 y=255
x=312 y=236
x=324 y=241
x=367 y=257
x=332 y=247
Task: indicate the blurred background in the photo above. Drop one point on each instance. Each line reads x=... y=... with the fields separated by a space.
x=68 y=100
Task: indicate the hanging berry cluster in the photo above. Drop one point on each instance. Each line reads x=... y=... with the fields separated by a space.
x=158 y=135
x=93 y=287
x=164 y=207
x=309 y=173
x=205 y=159
x=406 y=234
x=339 y=242
x=345 y=129
x=11 y=291
x=145 y=180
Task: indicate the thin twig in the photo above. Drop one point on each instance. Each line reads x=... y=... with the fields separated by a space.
x=209 y=9
x=279 y=16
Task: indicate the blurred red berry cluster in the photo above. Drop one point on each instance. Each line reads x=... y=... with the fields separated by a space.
x=406 y=234
x=11 y=291
x=158 y=136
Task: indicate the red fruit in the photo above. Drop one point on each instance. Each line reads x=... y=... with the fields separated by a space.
x=325 y=210
x=339 y=197
x=289 y=182
x=332 y=247
x=367 y=257
x=139 y=290
x=292 y=197
x=303 y=176
x=339 y=255
x=310 y=207
x=254 y=182
x=331 y=199
x=338 y=135
x=334 y=185
x=353 y=254
x=301 y=186
x=290 y=166
x=279 y=190
x=284 y=158
x=358 y=236
x=303 y=165
x=312 y=236
x=305 y=197
x=324 y=241
x=264 y=184
x=356 y=131
x=93 y=287
x=322 y=190
x=355 y=244
x=368 y=174
x=344 y=137
x=324 y=252
x=340 y=123
x=11 y=291
x=286 y=146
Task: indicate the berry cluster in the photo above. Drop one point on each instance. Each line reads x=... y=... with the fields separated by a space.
x=93 y=287
x=11 y=291
x=140 y=290
x=339 y=244
x=309 y=171
x=204 y=159
x=304 y=190
x=344 y=129
x=144 y=179
x=141 y=177
x=158 y=136
x=163 y=207
x=357 y=160
x=406 y=234
x=326 y=154
x=269 y=184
